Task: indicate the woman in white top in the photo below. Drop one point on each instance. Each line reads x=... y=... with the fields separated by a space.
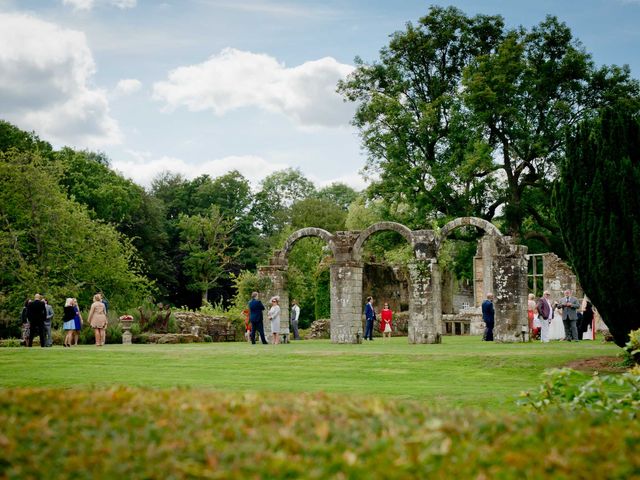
x=274 y=316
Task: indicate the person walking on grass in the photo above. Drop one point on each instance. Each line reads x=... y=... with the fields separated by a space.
x=488 y=316
x=69 y=322
x=255 y=317
x=274 y=316
x=98 y=320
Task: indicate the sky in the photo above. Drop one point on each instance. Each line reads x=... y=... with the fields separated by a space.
x=209 y=86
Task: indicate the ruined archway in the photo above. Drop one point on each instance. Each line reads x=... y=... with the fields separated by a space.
x=500 y=267
x=276 y=271
x=379 y=227
x=504 y=273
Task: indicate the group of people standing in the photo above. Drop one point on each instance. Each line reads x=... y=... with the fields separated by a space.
x=37 y=316
x=542 y=316
x=543 y=319
x=255 y=323
x=386 y=318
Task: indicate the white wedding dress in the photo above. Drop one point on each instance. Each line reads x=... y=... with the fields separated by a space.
x=556 y=329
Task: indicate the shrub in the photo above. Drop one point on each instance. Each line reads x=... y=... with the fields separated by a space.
x=632 y=348
x=560 y=391
x=140 y=338
x=10 y=342
x=114 y=333
x=136 y=433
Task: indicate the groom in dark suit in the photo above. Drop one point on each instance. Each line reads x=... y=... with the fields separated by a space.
x=370 y=316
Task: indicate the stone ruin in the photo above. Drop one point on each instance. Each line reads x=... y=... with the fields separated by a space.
x=502 y=265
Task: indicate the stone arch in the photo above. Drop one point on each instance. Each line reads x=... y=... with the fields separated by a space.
x=307 y=232
x=500 y=267
x=377 y=227
x=488 y=227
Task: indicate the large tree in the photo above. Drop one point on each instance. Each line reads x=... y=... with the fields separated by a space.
x=278 y=192
x=461 y=116
x=49 y=243
x=208 y=253
x=411 y=118
x=88 y=179
x=598 y=209
x=523 y=96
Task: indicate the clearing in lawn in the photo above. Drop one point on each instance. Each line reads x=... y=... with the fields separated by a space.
x=460 y=372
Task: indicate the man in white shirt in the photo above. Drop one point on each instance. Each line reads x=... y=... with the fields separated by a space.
x=295 y=316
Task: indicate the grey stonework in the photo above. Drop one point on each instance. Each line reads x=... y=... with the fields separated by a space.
x=503 y=266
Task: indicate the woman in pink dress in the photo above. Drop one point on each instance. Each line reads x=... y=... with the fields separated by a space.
x=98 y=320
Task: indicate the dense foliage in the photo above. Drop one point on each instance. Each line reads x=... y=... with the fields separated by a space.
x=141 y=433
x=72 y=226
x=462 y=116
x=49 y=243
x=598 y=207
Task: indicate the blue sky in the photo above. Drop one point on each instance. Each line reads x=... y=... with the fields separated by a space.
x=206 y=86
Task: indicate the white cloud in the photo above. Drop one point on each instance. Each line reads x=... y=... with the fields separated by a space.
x=142 y=167
x=127 y=86
x=354 y=180
x=89 y=4
x=237 y=79
x=45 y=83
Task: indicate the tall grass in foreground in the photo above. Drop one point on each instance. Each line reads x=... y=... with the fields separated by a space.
x=181 y=433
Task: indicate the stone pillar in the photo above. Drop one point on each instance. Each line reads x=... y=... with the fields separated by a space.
x=346 y=290
x=346 y=302
x=425 y=297
x=425 y=304
x=276 y=272
x=488 y=245
x=510 y=290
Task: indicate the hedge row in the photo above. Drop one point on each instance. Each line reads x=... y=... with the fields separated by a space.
x=142 y=433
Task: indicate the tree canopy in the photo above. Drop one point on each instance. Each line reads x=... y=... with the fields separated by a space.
x=462 y=116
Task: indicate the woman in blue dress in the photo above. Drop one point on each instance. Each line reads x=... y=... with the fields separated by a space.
x=78 y=322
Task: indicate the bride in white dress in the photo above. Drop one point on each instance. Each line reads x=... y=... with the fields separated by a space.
x=556 y=329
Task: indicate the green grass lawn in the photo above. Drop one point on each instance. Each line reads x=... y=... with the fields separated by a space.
x=461 y=372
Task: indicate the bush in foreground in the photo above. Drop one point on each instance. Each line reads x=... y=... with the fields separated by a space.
x=143 y=433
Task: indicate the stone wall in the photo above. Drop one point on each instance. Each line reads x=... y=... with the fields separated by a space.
x=386 y=284
x=208 y=325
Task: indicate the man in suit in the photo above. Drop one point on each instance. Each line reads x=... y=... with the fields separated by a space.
x=370 y=316
x=569 y=305
x=488 y=317
x=37 y=315
x=545 y=315
x=255 y=317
